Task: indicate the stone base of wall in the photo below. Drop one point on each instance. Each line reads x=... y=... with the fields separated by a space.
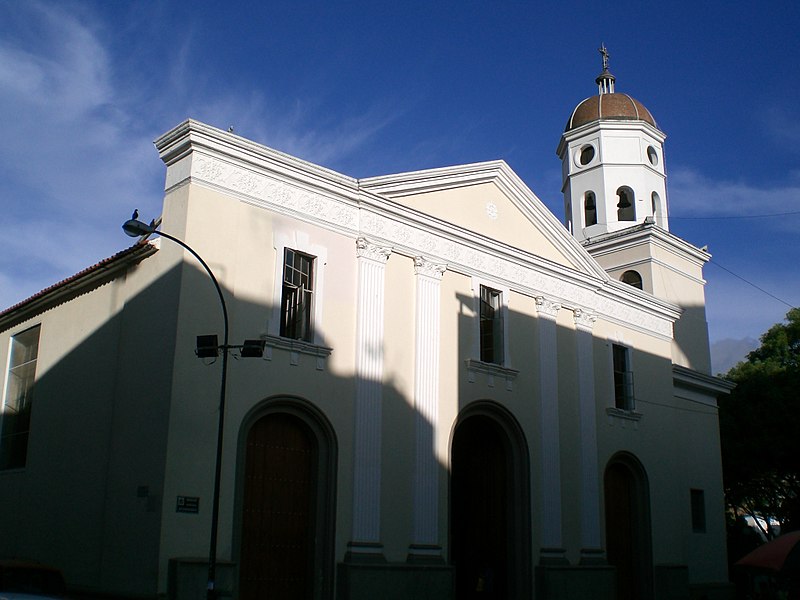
x=712 y=591
x=671 y=582
x=394 y=581
x=188 y=578
x=567 y=582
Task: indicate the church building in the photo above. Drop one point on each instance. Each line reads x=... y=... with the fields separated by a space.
x=417 y=385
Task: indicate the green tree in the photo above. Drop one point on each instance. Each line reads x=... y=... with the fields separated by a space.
x=760 y=430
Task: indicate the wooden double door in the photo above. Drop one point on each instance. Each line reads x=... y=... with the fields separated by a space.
x=279 y=551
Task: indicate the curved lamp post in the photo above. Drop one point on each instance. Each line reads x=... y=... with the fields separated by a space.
x=135 y=228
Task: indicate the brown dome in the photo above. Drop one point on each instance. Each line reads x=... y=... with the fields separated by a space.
x=614 y=107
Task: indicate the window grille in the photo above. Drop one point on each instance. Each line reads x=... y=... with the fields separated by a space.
x=297 y=295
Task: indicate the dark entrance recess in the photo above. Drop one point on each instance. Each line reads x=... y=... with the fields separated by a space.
x=628 y=529
x=480 y=500
x=278 y=512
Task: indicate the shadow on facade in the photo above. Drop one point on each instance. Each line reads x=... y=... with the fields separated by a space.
x=119 y=473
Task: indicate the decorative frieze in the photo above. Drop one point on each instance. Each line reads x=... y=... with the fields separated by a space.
x=524 y=272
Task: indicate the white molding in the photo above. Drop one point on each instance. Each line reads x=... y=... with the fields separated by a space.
x=499 y=173
x=505 y=293
x=297 y=239
x=643 y=234
x=263 y=177
x=623 y=415
x=295 y=349
x=492 y=370
x=708 y=384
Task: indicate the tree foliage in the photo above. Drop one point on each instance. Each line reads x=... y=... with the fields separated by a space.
x=760 y=429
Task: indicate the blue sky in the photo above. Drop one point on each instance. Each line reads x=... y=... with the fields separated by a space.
x=368 y=88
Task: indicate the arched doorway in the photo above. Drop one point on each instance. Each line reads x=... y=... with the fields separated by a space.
x=286 y=506
x=627 y=515
x=489 y=526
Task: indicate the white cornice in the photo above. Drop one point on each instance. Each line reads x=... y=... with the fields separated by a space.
x=607 y=125
x=194 y=136
x=278 y=182
x=689 y=378
x=645 y=234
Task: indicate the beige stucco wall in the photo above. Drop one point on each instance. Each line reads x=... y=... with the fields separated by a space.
x=242 y=250
x=487 y=210
x=88 y=500
x=143 y=329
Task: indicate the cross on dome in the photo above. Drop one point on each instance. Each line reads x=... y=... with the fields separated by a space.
x=602 y=50
x=605 y=81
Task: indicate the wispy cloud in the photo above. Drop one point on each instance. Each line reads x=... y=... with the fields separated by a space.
x=76 y=153
x=782 y=124
x=692 y=194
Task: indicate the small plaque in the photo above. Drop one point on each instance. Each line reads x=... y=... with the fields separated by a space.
x=188 y=504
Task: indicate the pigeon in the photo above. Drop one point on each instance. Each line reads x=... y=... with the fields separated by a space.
x=135 y=214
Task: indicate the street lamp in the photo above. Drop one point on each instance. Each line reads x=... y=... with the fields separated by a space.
x=206 y=347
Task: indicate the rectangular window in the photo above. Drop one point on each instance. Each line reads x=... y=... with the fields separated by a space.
x=491 y=319
x=623 y=378
x=297 y=295
x=16 y=418
x=698 y=501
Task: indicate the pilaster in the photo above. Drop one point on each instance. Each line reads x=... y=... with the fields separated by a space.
x=425 y=545
x=591 y=543
x=365 y=542
x=552 y=550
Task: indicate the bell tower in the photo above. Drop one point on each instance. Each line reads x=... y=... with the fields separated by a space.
x=615 y=200
x=612 y=156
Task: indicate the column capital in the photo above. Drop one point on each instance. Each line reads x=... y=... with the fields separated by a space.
x=366 y=249
x=584 y=320
x=422 y=266
x=546 y=307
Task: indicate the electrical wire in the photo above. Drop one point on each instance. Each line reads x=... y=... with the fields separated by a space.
x=760 y=289
x=783 y=214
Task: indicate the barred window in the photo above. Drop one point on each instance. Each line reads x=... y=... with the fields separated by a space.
x=297 y=295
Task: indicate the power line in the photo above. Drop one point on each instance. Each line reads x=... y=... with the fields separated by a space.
x=783 y=214
x=760 y=289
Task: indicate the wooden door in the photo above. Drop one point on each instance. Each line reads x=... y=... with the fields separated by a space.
x=277 y=552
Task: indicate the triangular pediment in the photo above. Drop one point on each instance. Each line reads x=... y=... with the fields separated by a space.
x=492 y=201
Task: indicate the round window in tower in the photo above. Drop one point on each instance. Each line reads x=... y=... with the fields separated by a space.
x=586 y=155
x=652 y=155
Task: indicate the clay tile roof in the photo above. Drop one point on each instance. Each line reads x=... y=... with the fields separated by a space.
x=619 y=107
x=76 y=285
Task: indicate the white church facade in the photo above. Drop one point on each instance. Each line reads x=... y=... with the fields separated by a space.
x=459 y=396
